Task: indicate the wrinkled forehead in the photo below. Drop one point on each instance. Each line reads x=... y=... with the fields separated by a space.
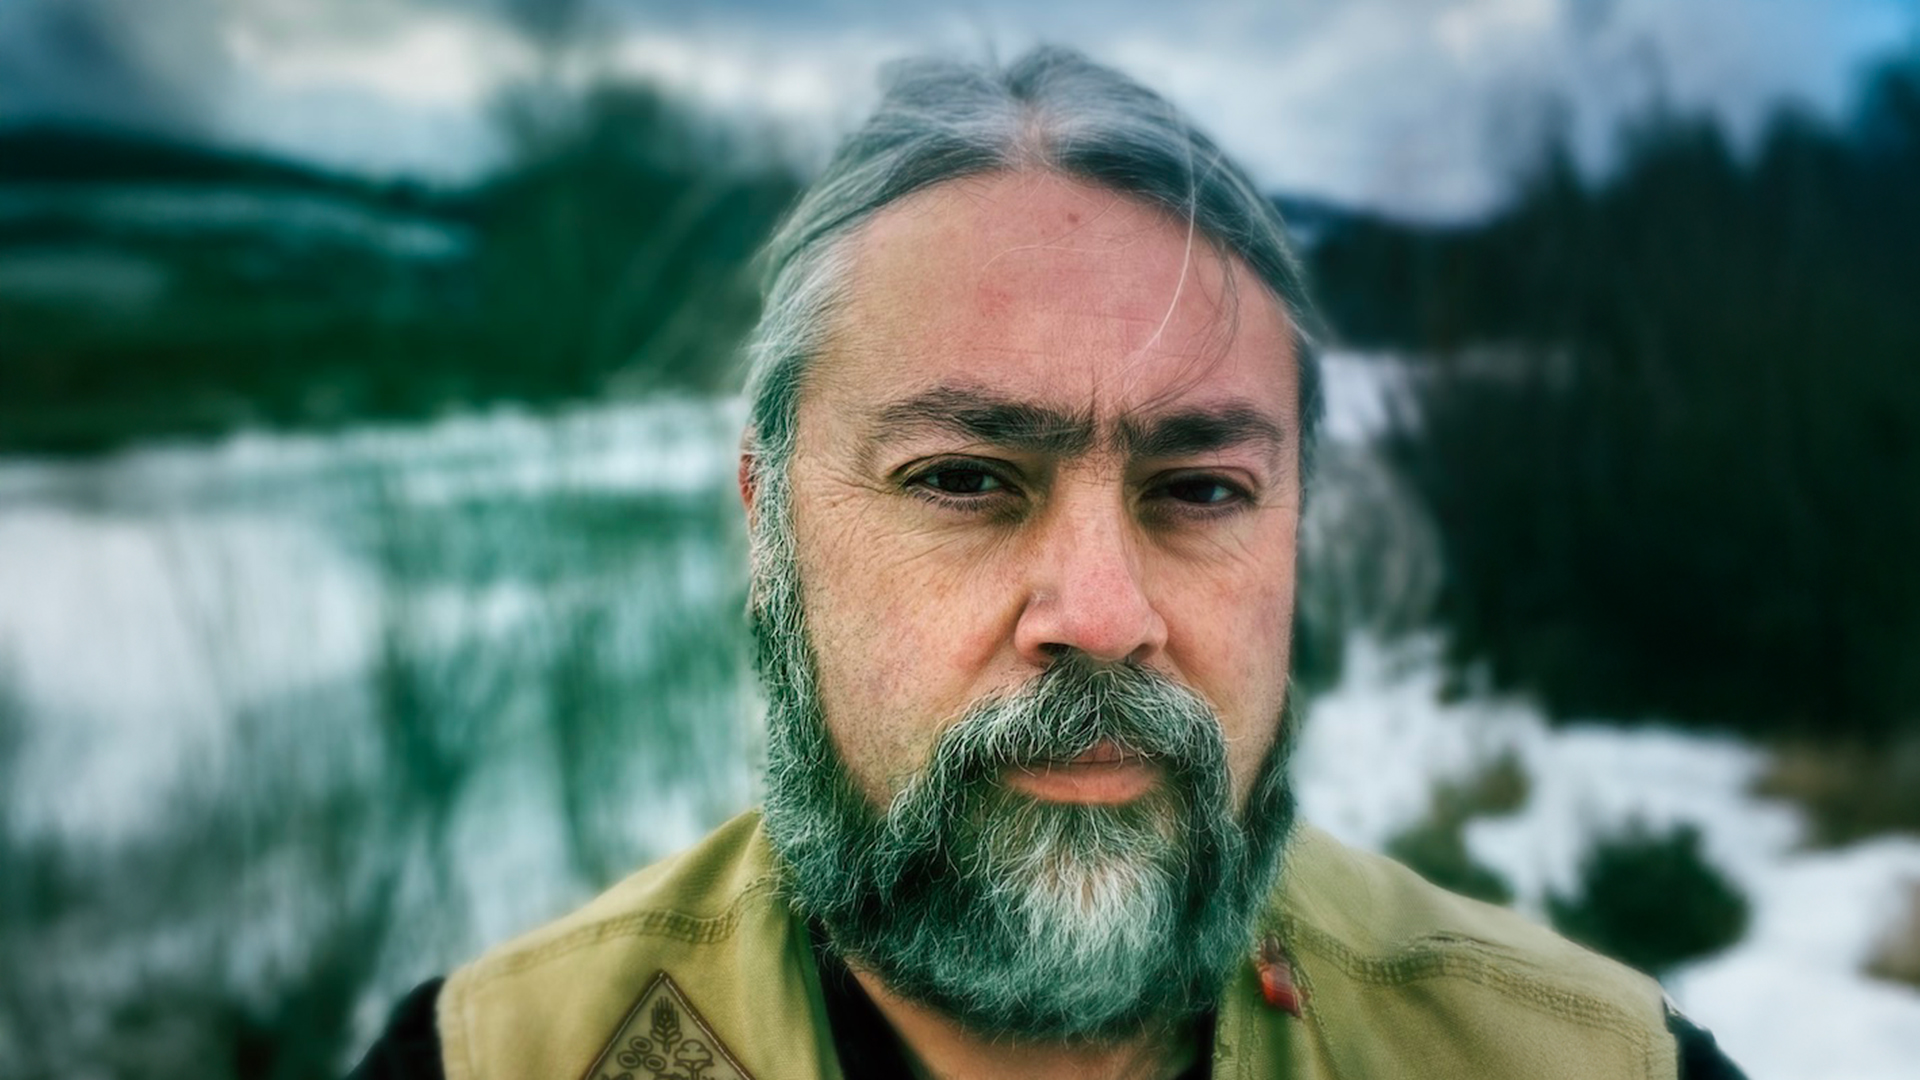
x=1053 y=288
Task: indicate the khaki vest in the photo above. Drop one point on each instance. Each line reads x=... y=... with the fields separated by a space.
x=695 y=969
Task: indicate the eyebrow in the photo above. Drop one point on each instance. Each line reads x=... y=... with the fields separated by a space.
x=989 y=418
x=1198 y=431
x=1022 y=426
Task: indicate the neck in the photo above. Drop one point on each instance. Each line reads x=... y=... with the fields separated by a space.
x=943 y=1050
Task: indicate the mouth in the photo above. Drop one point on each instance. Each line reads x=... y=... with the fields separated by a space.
x=1107 y=773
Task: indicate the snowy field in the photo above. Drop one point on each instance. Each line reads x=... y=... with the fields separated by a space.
x=147 y=599
x=1787 y=1003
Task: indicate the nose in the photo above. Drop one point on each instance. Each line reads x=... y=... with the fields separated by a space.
x=1086 y=589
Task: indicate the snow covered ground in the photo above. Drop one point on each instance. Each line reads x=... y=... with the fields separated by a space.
x=1788 y=1002
x=147 y=597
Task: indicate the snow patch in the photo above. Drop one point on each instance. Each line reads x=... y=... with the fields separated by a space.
x=1789 y=1002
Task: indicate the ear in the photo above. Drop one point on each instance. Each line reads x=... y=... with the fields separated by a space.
x=748 y=487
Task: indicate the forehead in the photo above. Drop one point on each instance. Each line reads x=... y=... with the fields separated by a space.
x=1057 y=291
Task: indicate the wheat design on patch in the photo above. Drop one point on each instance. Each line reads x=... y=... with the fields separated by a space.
x=663 y=1037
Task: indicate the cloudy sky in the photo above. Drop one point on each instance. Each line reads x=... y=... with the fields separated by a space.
x=1421 y=107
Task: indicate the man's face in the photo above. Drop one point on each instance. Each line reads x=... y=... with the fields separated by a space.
x=1021 y=601
x=1050 y=420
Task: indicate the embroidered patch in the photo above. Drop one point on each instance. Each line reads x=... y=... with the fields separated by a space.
x=663 y=1037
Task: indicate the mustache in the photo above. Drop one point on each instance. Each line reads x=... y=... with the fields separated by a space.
x=1074 y=705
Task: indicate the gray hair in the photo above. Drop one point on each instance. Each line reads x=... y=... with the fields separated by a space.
x=1051 y=109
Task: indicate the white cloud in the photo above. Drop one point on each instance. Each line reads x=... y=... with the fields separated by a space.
x=741 y=73
x=1422 y=107
x=1427 y=108
x=432 y=60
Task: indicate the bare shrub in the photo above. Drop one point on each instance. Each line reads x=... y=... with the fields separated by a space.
x=1652 y=899
x=1849 y=791
x=1436 y=846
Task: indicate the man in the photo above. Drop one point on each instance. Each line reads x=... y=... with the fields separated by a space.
x=1032 y=401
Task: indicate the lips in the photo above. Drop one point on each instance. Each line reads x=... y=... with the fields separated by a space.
x=1106 y=772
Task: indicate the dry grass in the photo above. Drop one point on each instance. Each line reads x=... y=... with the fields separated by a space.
x=1849 y=792
x=1896 y=955
x=1436 y=846
x=1499 y=786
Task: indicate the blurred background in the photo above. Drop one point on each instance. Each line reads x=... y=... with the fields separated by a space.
x=371 y=579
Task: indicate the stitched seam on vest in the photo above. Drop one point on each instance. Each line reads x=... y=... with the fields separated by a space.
x=1467 y=962
x=457 y=1056
x=693 y=929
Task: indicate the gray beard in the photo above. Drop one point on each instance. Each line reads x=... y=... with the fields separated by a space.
x=1014 y=916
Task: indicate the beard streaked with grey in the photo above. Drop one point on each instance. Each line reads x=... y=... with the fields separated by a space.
x=1015 y=916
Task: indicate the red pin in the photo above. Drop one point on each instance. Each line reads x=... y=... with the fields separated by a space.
x=1276 y=978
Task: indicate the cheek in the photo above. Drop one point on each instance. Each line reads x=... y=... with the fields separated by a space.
x=901 y=638
x=1238 y=642
x=1237 y=608
x=1235 y=649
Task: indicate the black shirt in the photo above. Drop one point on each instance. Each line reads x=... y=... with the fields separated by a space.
x=868 y=1048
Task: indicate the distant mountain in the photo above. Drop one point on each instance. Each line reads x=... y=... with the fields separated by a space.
x=144 y=195
x=154 y=287
x=64 y=154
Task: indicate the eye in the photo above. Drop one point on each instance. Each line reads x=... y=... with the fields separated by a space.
x=960 y=479
x=964 y=484
x=1202 y=490
x=1193 y=497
